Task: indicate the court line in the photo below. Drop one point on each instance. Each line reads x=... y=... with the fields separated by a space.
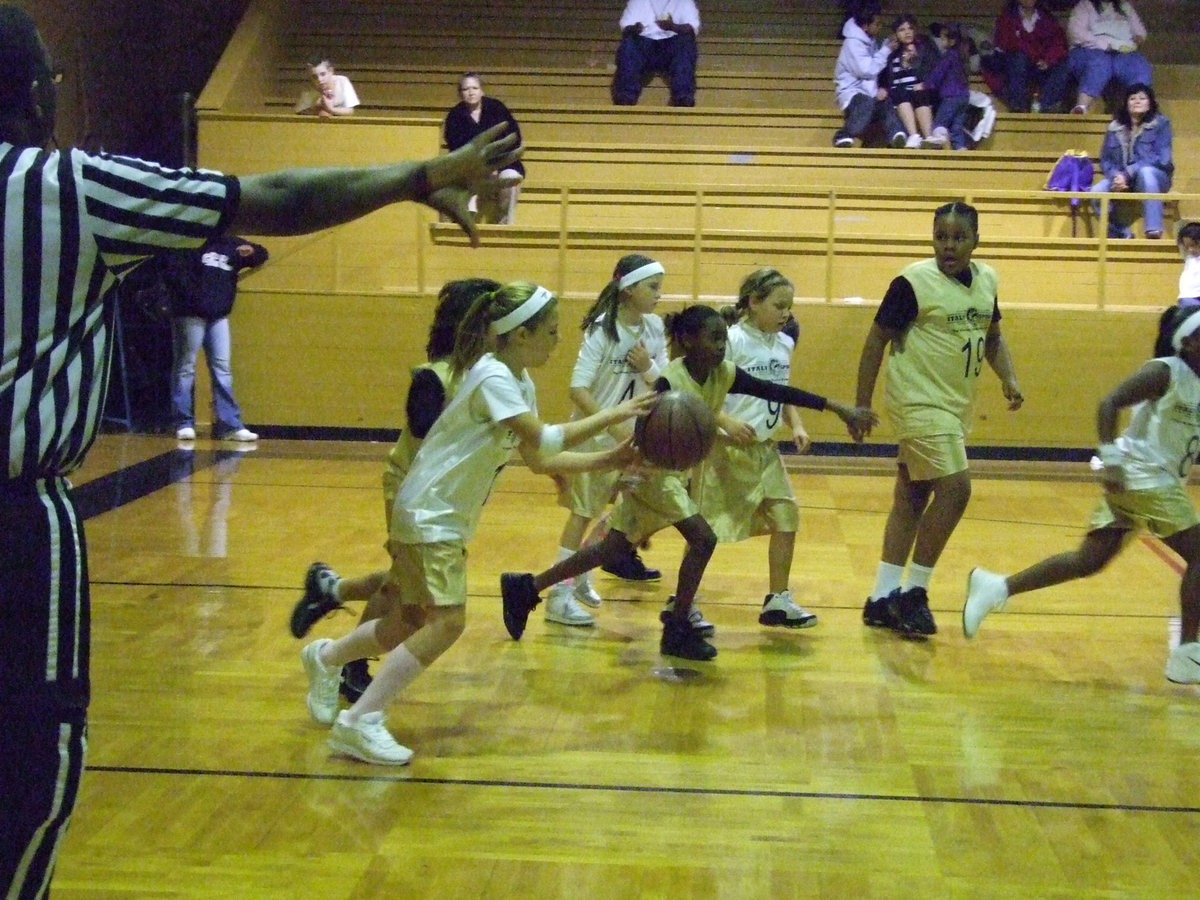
x=649 y=789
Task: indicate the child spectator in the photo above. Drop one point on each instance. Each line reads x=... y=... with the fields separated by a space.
x=856 y=79
x=949 y=82
x=1189 y=278
x=334 y=95
x=908 y=65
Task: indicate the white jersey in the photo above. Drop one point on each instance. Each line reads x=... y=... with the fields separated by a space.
x=602 y=367
x=452 y=474
x=1163 y=436
x=767 y=357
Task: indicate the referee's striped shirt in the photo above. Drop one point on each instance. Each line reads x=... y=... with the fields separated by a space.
x=72 y=224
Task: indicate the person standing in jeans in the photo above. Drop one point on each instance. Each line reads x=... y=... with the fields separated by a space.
x=203 y=286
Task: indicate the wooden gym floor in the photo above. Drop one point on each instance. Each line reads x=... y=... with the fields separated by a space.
x=1047 y=758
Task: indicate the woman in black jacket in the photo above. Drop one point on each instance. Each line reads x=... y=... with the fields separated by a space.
x=474 y=114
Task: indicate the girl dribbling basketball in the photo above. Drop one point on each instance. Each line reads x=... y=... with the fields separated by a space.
x=438 y=508
x=661 y=498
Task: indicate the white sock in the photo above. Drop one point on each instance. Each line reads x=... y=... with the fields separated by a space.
x=887 y=579
x=563 y=554
x=397 y=671
x=918 y=576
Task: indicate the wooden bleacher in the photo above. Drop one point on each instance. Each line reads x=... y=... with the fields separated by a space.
x=746 y=178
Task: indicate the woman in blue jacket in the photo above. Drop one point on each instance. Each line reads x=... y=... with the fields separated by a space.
x=1136 y=156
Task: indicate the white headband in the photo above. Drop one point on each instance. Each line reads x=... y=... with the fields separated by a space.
x=650 y=268
x=1185 y=330
x=523 y=313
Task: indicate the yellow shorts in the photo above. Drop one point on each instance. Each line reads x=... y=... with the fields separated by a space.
x=588 y=494
x=658 y=501
x=933 y=456
x=744 y=491
x=1162 y=511
x=428 y=574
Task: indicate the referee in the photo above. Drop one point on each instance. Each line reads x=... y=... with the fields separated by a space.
x=73 y=225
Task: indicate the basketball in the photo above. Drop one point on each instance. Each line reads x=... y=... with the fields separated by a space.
x=678 y=431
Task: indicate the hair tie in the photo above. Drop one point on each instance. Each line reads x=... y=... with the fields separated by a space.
x=523 y=313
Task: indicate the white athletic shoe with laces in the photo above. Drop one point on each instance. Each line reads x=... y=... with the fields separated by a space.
x=986 y=591
x=563 y=608
x=367 y=739
x=781 y=609
x=323 y=683
x=1183 y=665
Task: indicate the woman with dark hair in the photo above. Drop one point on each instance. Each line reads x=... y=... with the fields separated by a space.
x=1105 y=36
x=1136 y=156
x=475 y=114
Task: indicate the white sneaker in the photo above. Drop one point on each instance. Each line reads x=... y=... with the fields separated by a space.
x=187 y=433
x=1183 y=665
x=245 y=435
x=986 y=591
x=323 y=683
x=781 y=609
x=586 y=594
x=563 y=608
x=367 y=739
x=937 y=140
x=913 y=142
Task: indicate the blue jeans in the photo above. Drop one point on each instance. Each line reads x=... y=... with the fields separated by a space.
x=638 y=57
x=1022 y=77
x=863 y=110
x=1094 y=69
x=1148 y=180
x=189 y=333
x=952 y=115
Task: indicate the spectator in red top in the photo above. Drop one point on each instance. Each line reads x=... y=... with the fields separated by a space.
x=1032 y=58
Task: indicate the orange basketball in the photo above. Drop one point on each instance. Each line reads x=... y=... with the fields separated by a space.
x=678 y=431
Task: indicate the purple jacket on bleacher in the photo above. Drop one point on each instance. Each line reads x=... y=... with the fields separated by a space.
x=948 y=77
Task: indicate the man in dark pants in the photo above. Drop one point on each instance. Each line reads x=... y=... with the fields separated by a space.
x=657 y=36
x=73 y=224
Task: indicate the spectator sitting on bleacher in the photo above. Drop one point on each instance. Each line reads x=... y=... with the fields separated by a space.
x=1031 y=58
x=949 y=83
x=657 y=36
x=1136 y=156
x=1105 y=37
x=904 y=76
x=333 y=94
x=474 y=115
x=856 y=79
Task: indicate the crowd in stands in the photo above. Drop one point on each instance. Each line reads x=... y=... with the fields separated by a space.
x=896 y=85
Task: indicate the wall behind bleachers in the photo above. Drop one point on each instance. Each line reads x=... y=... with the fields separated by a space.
x=324 y=335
